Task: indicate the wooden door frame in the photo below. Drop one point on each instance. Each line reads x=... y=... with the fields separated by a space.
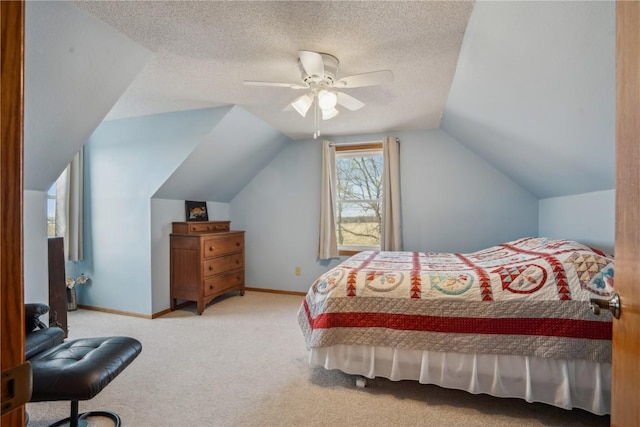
x=11 y=196
x=625 y=392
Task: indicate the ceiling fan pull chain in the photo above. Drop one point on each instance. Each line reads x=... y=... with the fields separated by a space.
x=316 y=117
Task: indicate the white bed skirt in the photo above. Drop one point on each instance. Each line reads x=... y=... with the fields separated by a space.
x=564 y=383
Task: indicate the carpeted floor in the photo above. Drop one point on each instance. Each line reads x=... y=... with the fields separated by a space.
x=243 y=363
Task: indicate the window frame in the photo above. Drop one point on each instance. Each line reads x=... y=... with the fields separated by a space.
x=51 y=220
x=349 y=250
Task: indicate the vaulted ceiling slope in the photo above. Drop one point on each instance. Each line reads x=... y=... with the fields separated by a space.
x=205 y=50
x=235 y=151
x=76 y=68
x=534 y=94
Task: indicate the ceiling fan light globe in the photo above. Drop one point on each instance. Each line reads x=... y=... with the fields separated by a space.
x=302 y=104
x=329 y=114
x=327 y=100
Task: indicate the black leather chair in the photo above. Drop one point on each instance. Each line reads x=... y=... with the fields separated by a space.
x=77 y=369
x=38 y=336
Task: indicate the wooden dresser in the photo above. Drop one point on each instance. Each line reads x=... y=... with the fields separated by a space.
x=207 y=260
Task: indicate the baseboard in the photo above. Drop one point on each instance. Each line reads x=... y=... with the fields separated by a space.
x=277 y=291
x=120 y=312
x=166 y=311
x=182 y=304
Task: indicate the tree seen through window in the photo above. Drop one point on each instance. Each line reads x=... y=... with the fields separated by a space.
x=359 y=198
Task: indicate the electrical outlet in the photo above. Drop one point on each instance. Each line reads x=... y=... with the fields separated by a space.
x=298 y=270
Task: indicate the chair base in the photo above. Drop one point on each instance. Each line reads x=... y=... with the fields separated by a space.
x=78 y=370
x=79 y=420
x=82 y=422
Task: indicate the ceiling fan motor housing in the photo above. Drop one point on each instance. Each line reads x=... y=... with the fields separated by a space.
x=330 y=63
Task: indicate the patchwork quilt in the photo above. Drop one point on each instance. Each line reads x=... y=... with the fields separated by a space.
x=528 y=297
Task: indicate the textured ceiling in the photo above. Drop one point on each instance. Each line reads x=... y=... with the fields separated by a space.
x=204 y=50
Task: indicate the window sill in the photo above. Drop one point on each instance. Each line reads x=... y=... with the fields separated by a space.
x=355 y=251
x=348 y=253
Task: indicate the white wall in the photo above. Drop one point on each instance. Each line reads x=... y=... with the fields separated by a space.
x=36 y=260
x=451 y=201
x=163 y=213
x=587 y=218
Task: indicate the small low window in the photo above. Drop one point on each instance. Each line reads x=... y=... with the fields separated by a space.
x=51 y=211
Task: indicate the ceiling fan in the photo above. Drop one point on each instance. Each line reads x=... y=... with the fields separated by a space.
x=318 y=75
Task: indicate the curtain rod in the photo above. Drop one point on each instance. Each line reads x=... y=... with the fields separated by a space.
x=343 y=144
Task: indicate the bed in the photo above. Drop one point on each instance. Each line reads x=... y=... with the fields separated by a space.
x=513 y=320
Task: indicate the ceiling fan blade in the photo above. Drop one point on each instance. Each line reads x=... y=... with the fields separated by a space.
x=311 y=62
x=349 y=102
x=273 y=84
x=365 y=79
x=329 y=114
x=302 y=104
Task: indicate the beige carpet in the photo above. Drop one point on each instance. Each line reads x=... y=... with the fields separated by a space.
x=243 y=363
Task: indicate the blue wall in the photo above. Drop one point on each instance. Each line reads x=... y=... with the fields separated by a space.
x=452 y=201
x=588 y=218
x=126 y=162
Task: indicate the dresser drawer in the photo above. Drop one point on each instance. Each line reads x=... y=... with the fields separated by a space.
x=217 y=246
x=217 y=284
x=222 y=264
x=200 y=227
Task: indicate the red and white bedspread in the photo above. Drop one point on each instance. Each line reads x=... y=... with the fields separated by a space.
x=528 y=297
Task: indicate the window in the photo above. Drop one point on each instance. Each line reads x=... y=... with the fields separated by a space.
x=359 y=197
x=51 y=211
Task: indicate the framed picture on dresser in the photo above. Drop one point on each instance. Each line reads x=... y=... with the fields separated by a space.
x=196 y=211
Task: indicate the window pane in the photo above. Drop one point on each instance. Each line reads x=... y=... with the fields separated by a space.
x=358 y=224
x=51 y=211
x=359 y=177
x=359 y=195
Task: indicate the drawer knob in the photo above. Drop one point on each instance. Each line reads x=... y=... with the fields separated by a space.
x=211 y=248
x=211 y=287
x=211 y=268
x=237 y=261
x=237 y=243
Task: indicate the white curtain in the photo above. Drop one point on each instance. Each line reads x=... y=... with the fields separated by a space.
x=391 y=239
x=69 y=197
x=328 y=247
